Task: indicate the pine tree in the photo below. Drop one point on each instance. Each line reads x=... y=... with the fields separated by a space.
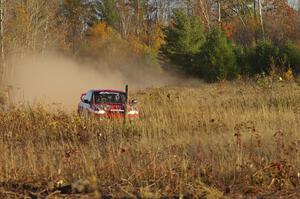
x=183 y=39
x=216 y=61
x=266 y=55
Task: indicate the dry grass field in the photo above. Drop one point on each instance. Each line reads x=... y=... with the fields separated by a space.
x=226 y=140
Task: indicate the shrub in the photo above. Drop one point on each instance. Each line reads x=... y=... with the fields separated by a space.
x=266 y=55
x=267 y=58
x=292 y=54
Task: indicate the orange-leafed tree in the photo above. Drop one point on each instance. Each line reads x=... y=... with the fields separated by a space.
x=228 y=29
x=101 y=31
x=99 y=38
x=281 y=21
x=147 y=44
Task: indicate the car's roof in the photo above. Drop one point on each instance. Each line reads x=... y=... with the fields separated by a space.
x=107 y=90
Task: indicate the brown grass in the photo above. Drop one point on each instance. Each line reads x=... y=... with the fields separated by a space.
x=210 y=141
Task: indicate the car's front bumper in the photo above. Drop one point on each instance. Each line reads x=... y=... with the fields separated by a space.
x=113 y=115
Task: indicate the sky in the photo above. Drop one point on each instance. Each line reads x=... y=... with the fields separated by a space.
x=294 y=3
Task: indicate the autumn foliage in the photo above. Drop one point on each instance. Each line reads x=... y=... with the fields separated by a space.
x=150 y=30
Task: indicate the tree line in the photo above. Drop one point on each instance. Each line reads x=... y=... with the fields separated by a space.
x=210 y=39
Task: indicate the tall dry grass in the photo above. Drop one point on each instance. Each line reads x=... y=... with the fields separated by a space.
x=209 y=141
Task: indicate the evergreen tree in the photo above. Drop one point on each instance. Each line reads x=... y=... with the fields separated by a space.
x=183 y=39
x=216 y=61
x=266 y=54
x=244 y=56
x=292 y=55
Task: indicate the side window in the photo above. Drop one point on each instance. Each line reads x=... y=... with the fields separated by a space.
x=88 y=96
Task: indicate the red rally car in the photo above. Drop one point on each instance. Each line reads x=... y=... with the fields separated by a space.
x=107 y=104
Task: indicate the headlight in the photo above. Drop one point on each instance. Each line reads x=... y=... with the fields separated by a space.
x=133 y=112
x=106 y=107
x=101 y=112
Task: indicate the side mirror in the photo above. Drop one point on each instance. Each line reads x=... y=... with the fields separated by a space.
x=86 y=101
x=82 y=97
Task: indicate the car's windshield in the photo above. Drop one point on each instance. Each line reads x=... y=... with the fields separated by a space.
x=109 y=97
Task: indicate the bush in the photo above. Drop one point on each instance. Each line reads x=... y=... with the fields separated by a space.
x=292 y=54
x=266 y=55
x=216 y=61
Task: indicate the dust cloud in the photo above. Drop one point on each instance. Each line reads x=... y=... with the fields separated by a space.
x=55 y=79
